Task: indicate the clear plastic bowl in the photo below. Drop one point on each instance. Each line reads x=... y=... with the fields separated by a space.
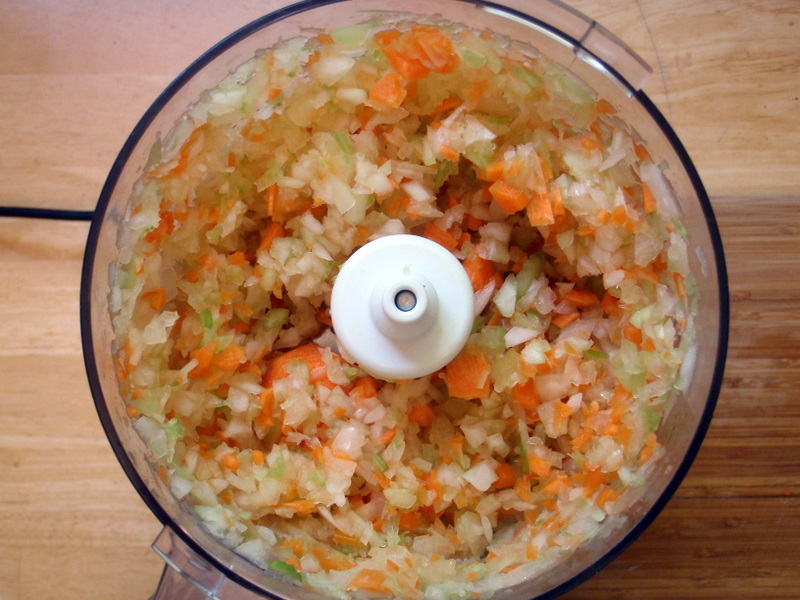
x=197 y=564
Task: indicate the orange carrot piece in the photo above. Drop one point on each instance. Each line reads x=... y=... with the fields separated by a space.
x=388 y=90
x=468 y=375
x=562 y=321
x=237 y=259
x=409 y=520
x=506 y=476
x=604 y=106
x=610 y=304
x=309 y=353
x=230 y=462
x=331 y=561
x=433 y=49
x=680 y=285
x=526 y=396
x=450 y=154
x=508 y=198
x=257 y=457
x=590 y=143
x=387 y=436
x=440 y=236
x=539 y=466
x=446 y=106
x=479 y=270
x=648 y=199
x=557 y=200
x=581 y=298
x=555 y=486
x=156 y=298
x=363 y=387
x=272 y=232
x=204 y=357
x=410 y=69
x=421 y=414
x=301 y=507
x=494 y=171
x=632 y=334
x=370 y=580
x=540 y=209
x=231 y=358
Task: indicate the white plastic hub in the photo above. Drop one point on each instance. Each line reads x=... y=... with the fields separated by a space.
x=402 y=307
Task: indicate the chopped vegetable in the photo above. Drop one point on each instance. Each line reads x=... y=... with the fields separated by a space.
x=450 y=485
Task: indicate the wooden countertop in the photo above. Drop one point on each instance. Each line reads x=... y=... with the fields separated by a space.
x=75 y=75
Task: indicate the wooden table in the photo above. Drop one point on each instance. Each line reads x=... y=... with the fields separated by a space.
x=75 y=75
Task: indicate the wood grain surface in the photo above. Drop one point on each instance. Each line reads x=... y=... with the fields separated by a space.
x=76 y=75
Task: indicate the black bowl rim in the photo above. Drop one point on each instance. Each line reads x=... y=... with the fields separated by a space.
x=270 y=19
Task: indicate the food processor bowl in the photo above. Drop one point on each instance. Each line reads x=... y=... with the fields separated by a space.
x=198 y=564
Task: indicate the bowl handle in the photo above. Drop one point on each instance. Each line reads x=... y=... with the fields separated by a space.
x=189 y=577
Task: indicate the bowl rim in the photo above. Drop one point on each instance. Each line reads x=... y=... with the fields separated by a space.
x=88 y=274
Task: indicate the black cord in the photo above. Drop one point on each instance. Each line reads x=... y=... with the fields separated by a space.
x=46 y=213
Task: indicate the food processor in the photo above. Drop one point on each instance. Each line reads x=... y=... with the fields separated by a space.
x=198 y=565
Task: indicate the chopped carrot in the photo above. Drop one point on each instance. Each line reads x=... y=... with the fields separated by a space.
x=494 y=171
x=311 y=354
x=156 y=298
x=410 y=69
x=386 y=37
x=581 y=298
x=540 y=210
x=450 y=154
x=301 y=507
x=272 y=232
x=680 y=285
x=440 y=236
x=606 y=494
x=557 y=200
x=388 y=90
x=590 y=143
x=271 y=198
x=584 y=436
x=508 y=198
x=472 y=223
x=345 y=539
x=370 y=580
x=604 y=106
x=468 y=374
x=506 y=476
x=526 y=396
x=421 y=414
x=324 y=316
x=387 y=436
x=648 y=199
x=264 y=418
x=363 y=387
x=237 y=259
x=648 y=345
x=433 y=49
x=480 y=271
x=539 y=466
x=446 y=106
x=257 y=457
x=409 y=520
x=555 y=486
x=610 y=304
x=562 y=321
x=230 y=462
x=632 y=334
x=641 y=151
x=204 y=357
x=231 y=358
x=330 y=560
